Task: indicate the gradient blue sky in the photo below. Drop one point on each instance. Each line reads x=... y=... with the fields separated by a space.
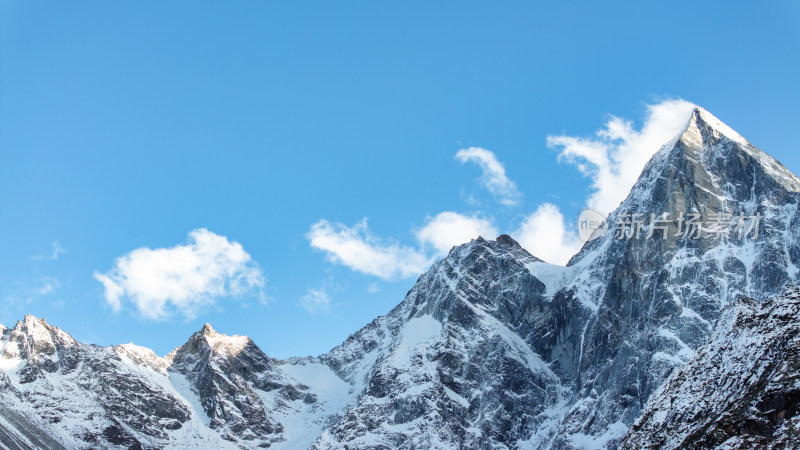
x=128 y=124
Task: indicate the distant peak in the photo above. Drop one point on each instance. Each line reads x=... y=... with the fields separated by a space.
x=29 y=322
x=216 y=342
x=703 y=126
x=40 y=334
x=507 y=240
x=207 y=330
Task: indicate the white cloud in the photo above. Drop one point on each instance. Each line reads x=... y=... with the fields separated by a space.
x=614 y=159
x=57 y=248
x=448 y=229
x=316 y=300
x=356 y=248
x=544 y=234
x=494 y=174
x=186 y=278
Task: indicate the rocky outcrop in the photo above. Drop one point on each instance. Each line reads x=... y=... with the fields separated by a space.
x=229 y=374
x=741 y=390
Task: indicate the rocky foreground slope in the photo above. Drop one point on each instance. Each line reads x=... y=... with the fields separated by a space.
x=741 y=390
x=492 y=347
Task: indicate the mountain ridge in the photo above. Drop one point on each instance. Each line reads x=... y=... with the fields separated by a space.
x=491 y=347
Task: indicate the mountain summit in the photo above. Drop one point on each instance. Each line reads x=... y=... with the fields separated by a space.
x=491 y=348
x=717 y=219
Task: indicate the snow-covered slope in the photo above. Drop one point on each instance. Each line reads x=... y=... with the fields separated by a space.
x=491 y=348
x=741 y=390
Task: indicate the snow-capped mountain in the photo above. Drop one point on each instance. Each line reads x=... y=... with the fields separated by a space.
x=492 y=347
x=215 y=391
x=652 y=302
x=450 y=366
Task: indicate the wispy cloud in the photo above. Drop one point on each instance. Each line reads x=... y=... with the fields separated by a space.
x=185 y=278
x=355 y=247
x=448 y=229
x=47 y=285
x=494 y=174
x=57 y=249
x=316 y=301
x=613 y=159
x=27 y=292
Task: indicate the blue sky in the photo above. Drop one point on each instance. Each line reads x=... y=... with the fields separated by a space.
x=311 y=150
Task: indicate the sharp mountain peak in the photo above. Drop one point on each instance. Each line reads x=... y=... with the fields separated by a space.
x=704 y=126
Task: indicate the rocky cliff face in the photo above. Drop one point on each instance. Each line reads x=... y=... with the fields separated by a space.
x=448 y=367
x=492 y=347
x=233 y=379
x=653 y=301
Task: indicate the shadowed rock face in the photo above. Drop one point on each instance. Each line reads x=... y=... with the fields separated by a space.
x=218 y=366
x=491 y=348
x=655 y=301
